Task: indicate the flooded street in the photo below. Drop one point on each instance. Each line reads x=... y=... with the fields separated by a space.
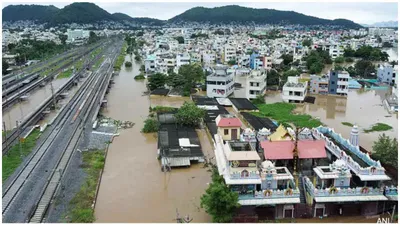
x=20 y=110
x=133 y=188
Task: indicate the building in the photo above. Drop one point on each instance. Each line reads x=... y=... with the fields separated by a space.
x=256 y=83
x=228 y=127
x=334 y=83
x=336 y=50
x=220 y=83
x=256 y=61
x=150 y=63
x=386 y=74
x=229 y=53
x=294 y=90
x=182 y=59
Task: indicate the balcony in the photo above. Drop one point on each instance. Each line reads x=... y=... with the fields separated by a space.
x=337 y=194
x=285 y=196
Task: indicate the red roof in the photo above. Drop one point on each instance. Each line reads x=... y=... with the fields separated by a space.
x=229 y=122
x=274 y=150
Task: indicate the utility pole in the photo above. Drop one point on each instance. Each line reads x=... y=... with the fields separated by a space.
x=52 y=94
x=19 y=138
x=394 y=209
x=5 y=133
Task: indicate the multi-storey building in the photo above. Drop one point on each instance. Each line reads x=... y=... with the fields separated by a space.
x=220 y=83
x=182 y=59
x=256 y=83
x=386 y=74
x=294 y=90
x=229 y=53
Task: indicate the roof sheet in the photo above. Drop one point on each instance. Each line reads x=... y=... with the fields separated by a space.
x=229 y=122
x=243 y=104
x=243 y=155
x=274 y=150
x=259 y=123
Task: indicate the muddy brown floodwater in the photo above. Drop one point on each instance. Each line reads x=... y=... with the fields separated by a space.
x=133 y=188
x=363 y=108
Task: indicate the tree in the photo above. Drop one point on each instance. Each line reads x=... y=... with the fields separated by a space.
x=232 y=62
x=387 y=45
x=157 y=80
x=348 y=59
x=289 y=73
x=287 y=59
x=93 y=37
x=63 y=38
x=189 y=114
x=192 y=73
x=180 y=40
x=219 y=201
x=339 y=59
x=385 y=150
x=142 y=68
x=175 y=80
x=273 y=77
x=258 y=100
x=393 y=63
x=5 y=66
x=307 y=42
x=150 y=126
x=128 y=64
x=364 y=68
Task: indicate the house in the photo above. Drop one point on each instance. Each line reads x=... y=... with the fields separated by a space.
x=256 y=61
x=220 y=83
x=182 y=59
x=150 y=63
x=256 y=83
x=294 y=90
x=334 y=83
x=228 y=127
x=229 y=53
x=177 y=145
x=386 y=74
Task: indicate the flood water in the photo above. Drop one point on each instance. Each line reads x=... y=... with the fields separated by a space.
x=363 y=108
x=133 y=188
x=20 y=110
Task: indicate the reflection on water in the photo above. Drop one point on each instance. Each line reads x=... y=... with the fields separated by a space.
x=20 y=110
x=363 y=108
x=392 y=52
x=133 y=188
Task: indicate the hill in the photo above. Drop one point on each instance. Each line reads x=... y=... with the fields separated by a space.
x=80 y=12
x=121 y=16
x=29 y=12
x=243 y=15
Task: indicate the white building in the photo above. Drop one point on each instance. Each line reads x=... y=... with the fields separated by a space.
x=294 y=90
x=220 y=83
x=256 y=83
x=182 y=59
x=343 y=83
x=150 y=63
x=229 y=53
x=335 y=51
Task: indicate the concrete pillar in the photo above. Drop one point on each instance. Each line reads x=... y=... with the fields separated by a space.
x=323 y=185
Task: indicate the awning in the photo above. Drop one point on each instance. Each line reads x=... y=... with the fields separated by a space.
x=173 y=162
x=373 y=177
x=271 y=201
x=360 y=198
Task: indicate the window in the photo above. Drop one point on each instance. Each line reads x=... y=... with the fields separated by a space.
x=226 y=131
x=333 y=82
x=332 y=90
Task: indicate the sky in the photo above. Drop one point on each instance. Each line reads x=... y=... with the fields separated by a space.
x=359 y=12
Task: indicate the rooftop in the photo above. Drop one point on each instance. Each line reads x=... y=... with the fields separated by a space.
x=228 y=121
x=274 y=150
x=243 y=104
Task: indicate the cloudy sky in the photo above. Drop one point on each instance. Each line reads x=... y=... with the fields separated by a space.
x=359 y=12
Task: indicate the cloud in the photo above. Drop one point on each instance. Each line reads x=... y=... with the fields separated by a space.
x=360 y=12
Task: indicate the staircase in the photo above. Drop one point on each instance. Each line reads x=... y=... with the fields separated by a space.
x=301 y=189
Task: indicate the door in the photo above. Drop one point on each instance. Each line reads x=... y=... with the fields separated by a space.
x=234 y=134
x=288 y=213
x=319 y=212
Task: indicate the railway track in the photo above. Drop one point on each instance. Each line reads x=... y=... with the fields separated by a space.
x=34 y=116
x=10 y=100
x=33 y=195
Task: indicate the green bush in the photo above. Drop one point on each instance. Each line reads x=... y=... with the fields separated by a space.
x=339 y=59
x=150 y=126
x=139 y=77
x=348 y=59
x=128 y=64
x=378 y=127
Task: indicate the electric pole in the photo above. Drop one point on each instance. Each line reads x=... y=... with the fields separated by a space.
x=52 y=94
x=19 y=138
